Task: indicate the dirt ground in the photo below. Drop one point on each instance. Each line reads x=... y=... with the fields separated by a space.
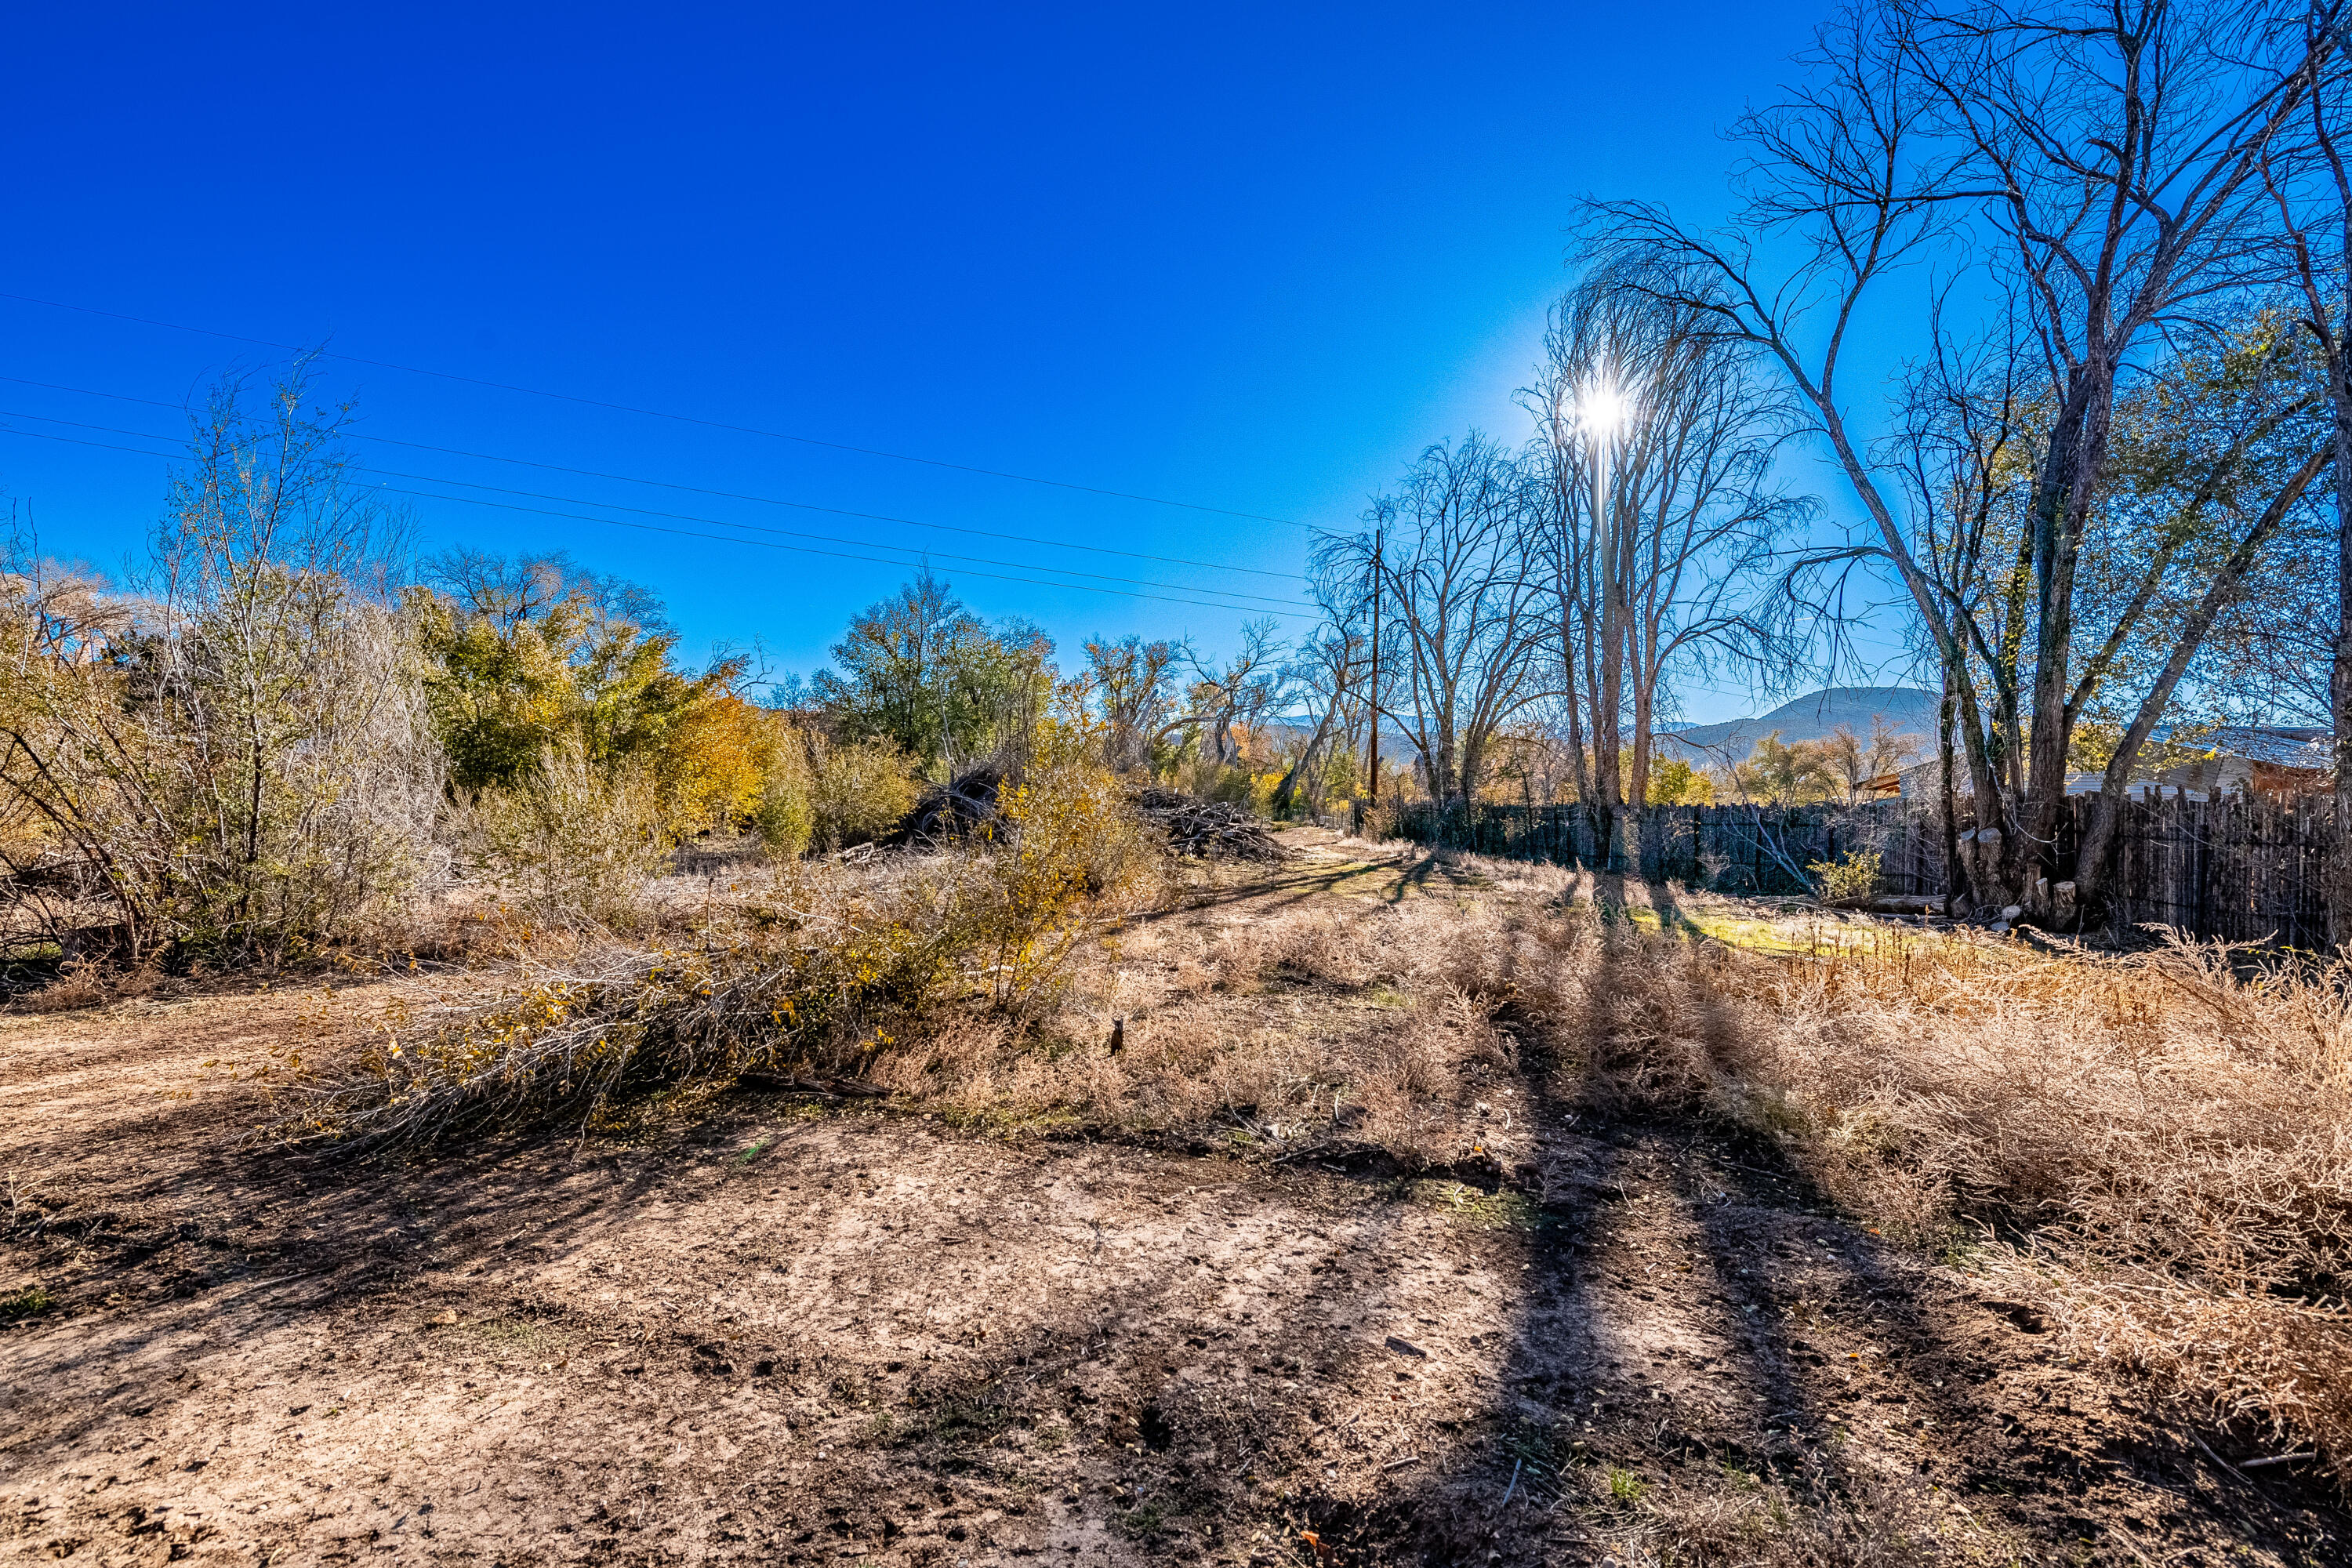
x=784 y=1330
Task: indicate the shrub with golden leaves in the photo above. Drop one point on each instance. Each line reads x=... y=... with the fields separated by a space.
x=785 y=811
x=1850 y=880
x=862 y=789
x=1066 y=836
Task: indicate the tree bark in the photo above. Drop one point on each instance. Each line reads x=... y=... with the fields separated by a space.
x=2339 y=675
x=1955 y=872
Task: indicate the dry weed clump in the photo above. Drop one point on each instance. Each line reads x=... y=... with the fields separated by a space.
x=85 y=984
x=1811 y=1516
x=1310 y=1028
x=574 y=840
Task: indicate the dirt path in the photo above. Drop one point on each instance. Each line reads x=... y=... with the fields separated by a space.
x=792 y=1334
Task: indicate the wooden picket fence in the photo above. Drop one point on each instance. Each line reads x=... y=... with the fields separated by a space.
x=2244 y=870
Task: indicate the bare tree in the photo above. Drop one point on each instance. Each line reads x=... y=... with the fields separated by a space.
x=2105 y=165
x=1860 y=759
x=1133 y=690
x=505 y=591
x=1332 y=667
x=1238 y=694
x=1663 y=524
x=1466 y=630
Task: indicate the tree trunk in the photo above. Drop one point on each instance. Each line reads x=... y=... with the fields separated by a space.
x=2092 y=864
x=2339 y=675
x=1284 y=791
x=2063 y=499
x=1637 y=787
x=1956 y=873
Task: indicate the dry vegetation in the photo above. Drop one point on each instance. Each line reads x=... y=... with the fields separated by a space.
x=2154 y=1151
x=1612 y=1157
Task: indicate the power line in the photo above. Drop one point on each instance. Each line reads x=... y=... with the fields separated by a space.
x=671 y=485
x=659 y=414
x=755 y=543
x=1253 y=609
x=789 y=533
x=676 y=516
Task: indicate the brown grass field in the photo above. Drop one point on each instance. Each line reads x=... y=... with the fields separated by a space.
x=1435 y=1210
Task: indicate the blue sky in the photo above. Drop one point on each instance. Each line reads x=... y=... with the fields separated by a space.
x=1246 y=258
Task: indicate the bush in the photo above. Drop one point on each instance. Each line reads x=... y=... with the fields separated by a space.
x=573 y=841
x=715 y=762
x=851 y=968
x=1068 y=835
x=785 y=812
x=1850 y=880
x=239 y=763
x=862 y=790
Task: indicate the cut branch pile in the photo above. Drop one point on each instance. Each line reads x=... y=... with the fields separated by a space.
x=1208 y=830
x=948 y=812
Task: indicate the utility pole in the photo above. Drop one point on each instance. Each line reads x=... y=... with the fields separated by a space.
x=1373 y=793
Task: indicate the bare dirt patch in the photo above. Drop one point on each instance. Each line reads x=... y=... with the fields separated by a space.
x=768 y=1328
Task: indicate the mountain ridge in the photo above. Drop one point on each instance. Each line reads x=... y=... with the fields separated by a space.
x=1816 y=715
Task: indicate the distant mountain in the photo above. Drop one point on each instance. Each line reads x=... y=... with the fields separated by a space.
x=1813 y=717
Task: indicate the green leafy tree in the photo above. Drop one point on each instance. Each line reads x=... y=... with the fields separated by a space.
x=1786 y=774
x=922 y=672
x=1675 y=782
x=533 y=653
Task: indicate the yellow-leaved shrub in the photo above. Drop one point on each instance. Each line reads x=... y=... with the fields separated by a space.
x=862 y=789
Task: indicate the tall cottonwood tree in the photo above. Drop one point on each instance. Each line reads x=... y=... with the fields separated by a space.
x=1133 y=684
x=2210 y=458
x=1660 y=531
x=2311 y=184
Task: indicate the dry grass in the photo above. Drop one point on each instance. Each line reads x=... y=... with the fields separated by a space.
x=1317 y=1027
x=2160 y=1149
x=2155 y=1152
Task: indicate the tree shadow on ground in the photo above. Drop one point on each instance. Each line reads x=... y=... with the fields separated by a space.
x=1696 y=1354
x=1710 y=1363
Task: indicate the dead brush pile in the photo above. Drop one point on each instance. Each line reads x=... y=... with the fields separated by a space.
x=1208 y=830
x=816 y=966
